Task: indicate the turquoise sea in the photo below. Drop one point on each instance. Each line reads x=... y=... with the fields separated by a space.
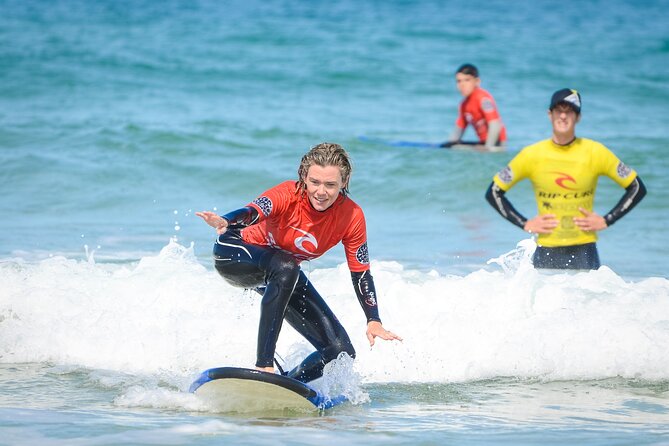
x=119 y=119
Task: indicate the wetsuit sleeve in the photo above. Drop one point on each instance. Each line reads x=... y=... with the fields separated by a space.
x=243 y=217
x=496 y=198
x=366 y=293
x=515 y=171
x=634 y=193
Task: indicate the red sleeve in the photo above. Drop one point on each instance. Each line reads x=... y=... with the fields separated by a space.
x=355 y=243
x=489 y=108
x=274 y=201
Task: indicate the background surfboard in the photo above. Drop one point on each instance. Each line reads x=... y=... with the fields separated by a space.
x=465 y=145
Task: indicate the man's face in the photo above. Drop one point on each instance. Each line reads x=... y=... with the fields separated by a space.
x=466 y=83
x=563 y=118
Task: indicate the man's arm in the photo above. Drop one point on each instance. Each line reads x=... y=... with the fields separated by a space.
x=605 y=162
x=591 y=221
x=634 y=193
x=541 y=224
x=494 y=129
x=496 y=198
x=454 y=138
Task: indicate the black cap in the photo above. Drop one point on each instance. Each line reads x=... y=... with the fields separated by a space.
x=567 y=96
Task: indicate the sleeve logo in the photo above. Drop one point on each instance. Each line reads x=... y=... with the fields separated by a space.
x=623 y=170
x=362 y=254
x=505 y=175
x=487 y=105
x=265 y=205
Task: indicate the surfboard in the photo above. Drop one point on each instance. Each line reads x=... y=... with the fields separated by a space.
x=234 y=389
x=464 y=146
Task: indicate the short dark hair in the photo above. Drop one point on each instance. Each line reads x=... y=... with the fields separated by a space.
x=468 y=69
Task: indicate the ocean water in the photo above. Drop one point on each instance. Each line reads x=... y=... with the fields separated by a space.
x=119 y=120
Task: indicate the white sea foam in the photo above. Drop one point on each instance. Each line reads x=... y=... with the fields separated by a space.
x=168 y=315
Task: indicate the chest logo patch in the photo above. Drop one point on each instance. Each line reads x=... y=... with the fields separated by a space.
x=564 y=178
x=307 y=237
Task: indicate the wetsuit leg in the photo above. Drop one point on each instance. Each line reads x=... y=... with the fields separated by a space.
x=251 y=266
x=282 y=271
x=567 y=257
x=309 y=314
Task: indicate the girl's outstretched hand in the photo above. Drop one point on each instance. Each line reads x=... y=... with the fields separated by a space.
x=214 y=220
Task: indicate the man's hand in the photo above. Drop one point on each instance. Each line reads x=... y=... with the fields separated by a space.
x=591 y=221
x=541 y=224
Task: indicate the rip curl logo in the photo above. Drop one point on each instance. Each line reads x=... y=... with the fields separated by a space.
x=564 y=178
x=371 y=300
x=299 y=241
x=506 y=175
x=623 y=170
x=265 y=205
x=362 y=254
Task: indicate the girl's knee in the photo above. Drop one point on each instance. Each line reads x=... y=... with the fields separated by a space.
x=284 y=270
x=336 y=348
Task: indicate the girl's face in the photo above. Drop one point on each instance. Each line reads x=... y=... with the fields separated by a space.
x=323 y=186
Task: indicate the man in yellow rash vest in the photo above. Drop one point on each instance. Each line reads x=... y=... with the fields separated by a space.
x=564 y=171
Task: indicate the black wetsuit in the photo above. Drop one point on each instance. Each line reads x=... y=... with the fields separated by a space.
x=287 y=294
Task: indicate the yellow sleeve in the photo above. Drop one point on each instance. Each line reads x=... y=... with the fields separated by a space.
x=516 y=170
x=608 y=164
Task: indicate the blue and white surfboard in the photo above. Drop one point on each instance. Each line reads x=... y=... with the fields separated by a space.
x=246 y=390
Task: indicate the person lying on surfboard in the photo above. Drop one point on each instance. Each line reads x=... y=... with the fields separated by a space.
x=477 y=109
x=261 y=245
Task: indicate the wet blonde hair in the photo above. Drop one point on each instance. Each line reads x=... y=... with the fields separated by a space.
x=325 y=154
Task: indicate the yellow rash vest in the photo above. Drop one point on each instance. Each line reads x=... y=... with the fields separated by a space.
x=564 y=178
